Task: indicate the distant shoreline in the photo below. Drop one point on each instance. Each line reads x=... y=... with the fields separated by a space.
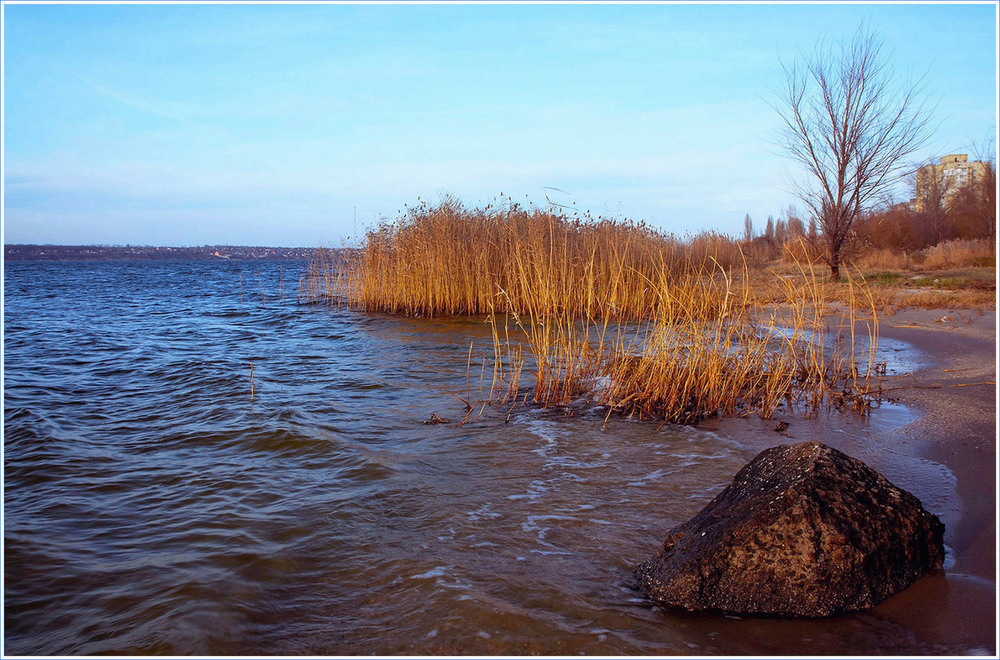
x=33 y=252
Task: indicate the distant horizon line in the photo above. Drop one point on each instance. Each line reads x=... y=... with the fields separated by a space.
x=129 y=252
x=177 y=247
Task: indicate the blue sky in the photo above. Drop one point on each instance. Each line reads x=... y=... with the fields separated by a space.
x=299 y=125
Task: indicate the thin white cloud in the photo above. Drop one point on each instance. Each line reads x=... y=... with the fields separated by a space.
x=158 y=108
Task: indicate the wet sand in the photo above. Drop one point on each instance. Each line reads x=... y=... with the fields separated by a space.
x=936 y=437
x=956 y=392
x=954 y=389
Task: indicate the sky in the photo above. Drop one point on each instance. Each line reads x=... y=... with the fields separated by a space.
x=303 y=125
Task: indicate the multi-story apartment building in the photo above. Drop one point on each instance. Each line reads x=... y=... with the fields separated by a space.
x=937 y=184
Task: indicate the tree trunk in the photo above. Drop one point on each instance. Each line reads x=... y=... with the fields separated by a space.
x=835 y=263
x=832 y=252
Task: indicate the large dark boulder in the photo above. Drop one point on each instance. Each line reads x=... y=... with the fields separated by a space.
x=803 y=530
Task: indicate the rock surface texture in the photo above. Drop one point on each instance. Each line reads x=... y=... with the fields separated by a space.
x=803 y=530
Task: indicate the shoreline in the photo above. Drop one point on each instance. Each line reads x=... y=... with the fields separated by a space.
x=954 y=390
x=935 y=436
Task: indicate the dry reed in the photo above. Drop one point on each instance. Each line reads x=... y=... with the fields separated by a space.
x=708 y=350
x=975 y=253
x=445 y=259
x=960 y=253
x=632 y=318
x=886 y=260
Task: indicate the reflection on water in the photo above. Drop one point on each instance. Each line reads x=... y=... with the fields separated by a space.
x=153 y=507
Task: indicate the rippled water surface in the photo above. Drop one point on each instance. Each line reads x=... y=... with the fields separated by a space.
x=153 y=507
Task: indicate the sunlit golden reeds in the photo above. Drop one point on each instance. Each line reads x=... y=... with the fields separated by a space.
x=705 y=350
x=633 y=319
x=330 y=276
x=445 y=259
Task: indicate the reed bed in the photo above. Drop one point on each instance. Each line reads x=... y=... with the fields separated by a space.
x=447 y=260
x=330 y=276
x=614 y=312
x=885 y=259
x=707 y=350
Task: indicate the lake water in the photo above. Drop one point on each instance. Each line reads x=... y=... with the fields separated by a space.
x=152 y=506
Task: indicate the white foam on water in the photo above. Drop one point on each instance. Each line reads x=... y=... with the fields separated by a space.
x=544 y=429
x=453 y=585
x=483 y=512
x=656 y=475
x=536 y=489
x=532 y=524
x=437 y=571
x=447 y=537
x=949 y=557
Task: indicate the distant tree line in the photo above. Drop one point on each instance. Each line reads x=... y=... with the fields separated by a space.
x=939 y=213
x=945 y=212
x=33 y=252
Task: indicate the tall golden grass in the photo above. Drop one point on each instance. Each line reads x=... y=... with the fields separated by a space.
x=706 y=350
x=641 y=322
x=445 y=259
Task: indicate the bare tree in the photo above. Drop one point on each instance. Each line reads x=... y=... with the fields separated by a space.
x=747 y=229
x=796 y=228
x=988 y=199
x=852 y=127
x=780 y=231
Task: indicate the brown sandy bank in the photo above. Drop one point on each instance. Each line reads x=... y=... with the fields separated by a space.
x=954 y=386
x=936 y=437
x=954 y=389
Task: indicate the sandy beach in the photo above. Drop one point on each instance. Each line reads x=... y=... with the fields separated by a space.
x=935 y=436
x=954 y=390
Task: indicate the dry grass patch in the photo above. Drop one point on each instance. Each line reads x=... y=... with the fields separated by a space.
x=960 y=254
